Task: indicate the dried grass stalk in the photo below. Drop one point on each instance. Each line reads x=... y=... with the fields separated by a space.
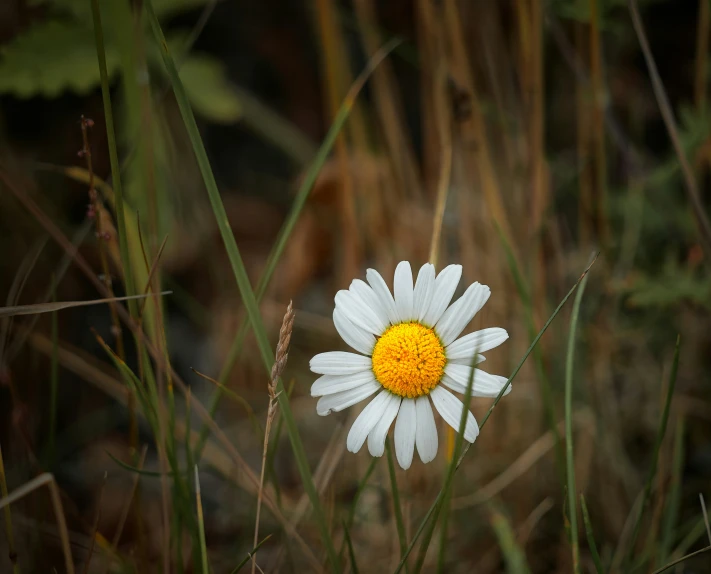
x=282 y=354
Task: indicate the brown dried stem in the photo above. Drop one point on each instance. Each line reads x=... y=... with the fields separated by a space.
x=282 y=354
x=95 y=211
x=692 y=189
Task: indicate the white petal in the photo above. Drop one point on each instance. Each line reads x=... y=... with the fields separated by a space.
x=404 y=291
x=365 y=422
x=360 y=312
x=456 y=377
x=426 y=433
x=450 y=407
x=356 y=337
x=476 y=342
x=339 y=401
x=329 y=384
x=383 y=293
x=424 y=290
x=405 y=431
x=467 y=362
x=377 y=436
x=366 y=294
x=445 y=286
x=340 y=363
x=454 y=319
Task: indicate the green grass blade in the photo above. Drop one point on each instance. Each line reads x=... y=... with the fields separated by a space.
x=697 y=531
x=545 y=384
x=243 y=283
x=590 y=536
x=514 y=556
x=288 y=227
x=671 y=513
x=354 y=505
x=113 y=157
x=451 y=468
x=569 y=459
x=655 y=454
x=249 y=555
x=444 y=529
x=434 y=508
x=351 y=553
x=201 y=524
x=397 y=509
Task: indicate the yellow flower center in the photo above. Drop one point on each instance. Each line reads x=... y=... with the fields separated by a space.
x=408 y=360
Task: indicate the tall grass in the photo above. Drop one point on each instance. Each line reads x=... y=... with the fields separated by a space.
x=480 y=154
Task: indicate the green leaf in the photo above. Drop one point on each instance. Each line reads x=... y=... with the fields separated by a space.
x=50 y=58
x=208 y=89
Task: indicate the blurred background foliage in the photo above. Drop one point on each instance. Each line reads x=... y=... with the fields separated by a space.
x=539 y=119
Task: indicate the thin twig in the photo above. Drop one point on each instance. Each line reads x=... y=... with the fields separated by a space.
x=282 y=354
x=668 y=117
x=59 y=237
x=682 y=559
x=96 y=211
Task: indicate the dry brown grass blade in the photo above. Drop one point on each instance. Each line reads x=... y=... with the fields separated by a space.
x=331 y=458
x=127 y=506
x=337 y=77
x=472 y=128
x=223 y=460
x=59 y=305
x=665 y=108
x=18 y=284
x=47 y=479
x=105 y=232
x=389 y=107
x=534 y=453
x=160 y=360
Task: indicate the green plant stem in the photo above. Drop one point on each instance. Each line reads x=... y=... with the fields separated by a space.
x=682 y=559
x=245 y=288
x=442 y=554
x=113 y=158
x=289 y=224
x=674 y=501
x=433 y=511
x=544 y=382
x=361 y=486
x=569 y=458
x=249 y=555
x=201 y=524
x=351 y=553
x=451 y=468
x=397 y=509
x=590 y=536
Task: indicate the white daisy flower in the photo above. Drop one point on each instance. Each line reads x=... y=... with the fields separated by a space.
x=410 y=355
